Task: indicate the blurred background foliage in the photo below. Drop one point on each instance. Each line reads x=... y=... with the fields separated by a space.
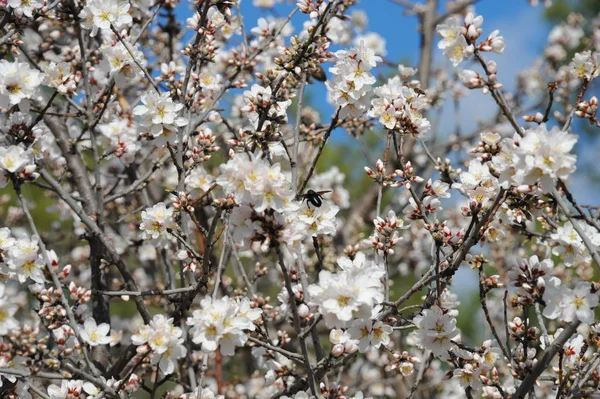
x=560 y=9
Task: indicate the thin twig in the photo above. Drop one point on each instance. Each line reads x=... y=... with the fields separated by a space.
x=486 y=312
x=586 y=240
x=332 y=126
x=135 y=60
x=290 y=355
x=294 y=160
x=557 y=345
x=457 y=8
x=294 y=307
x=552 y=86
x=57 y=284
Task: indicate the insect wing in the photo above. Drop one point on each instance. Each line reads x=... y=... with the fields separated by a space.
x=315 y=200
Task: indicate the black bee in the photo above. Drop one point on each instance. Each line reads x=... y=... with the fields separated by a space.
x=318 y=74
x=314 y=197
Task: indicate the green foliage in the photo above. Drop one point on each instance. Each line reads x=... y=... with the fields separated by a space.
x=589 y=7
x=560 y=9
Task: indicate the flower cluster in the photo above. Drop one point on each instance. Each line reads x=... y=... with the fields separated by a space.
x=222 y=323
x=585 y=65
x=268 y=210
x=22 y=258
x=351 y=87
x=122 y=137
x=568 y=304
x=120 y=64
x=386 y=234
x=401 y=108
x=156 y=221
x=25 y=7
x=101 y=14
x=478 y=183
x=60 y=76
x=160 y=115
x=256 y=183
x=262 y=109
x=370 y=334
x=436 y=329
x=570 y=246
x=72 y=389
x=350 y=293
x=458 y=40
x=164 y=340
x=17 y=162
x=18 y=82
x=543 y=156
x=528 y=275
x=478 y=367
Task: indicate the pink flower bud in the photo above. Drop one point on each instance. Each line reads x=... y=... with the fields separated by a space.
x=337 y=350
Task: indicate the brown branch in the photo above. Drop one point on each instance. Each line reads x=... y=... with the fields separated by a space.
x=288 y=354
x=332 y=126
x=110 y=250
x=457 y=8
x=297 y=326
x=552 y=86
x=486 y=312
x=556 y=346
x=586 y=240
x=498 y=96
x=428 y=22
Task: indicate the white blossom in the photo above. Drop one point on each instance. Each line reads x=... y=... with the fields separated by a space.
x=436 y=328
x=543 y=156
x=350 y=293
x=160 y=115
x=94 y=334
x=156 y=221
x=165 y=340
x=18 y=81
x=221 y=323
x=370 y=334
x=567 y=304
x=101 y=14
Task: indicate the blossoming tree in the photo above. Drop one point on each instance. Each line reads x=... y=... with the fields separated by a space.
x=173 y=225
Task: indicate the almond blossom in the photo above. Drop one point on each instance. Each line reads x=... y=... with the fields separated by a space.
x=370 y=334
x=164 y=340
x=156 y=221
x=351 y=86
x=183 y=212
x=160 y=115
x=436 y=329
x=543 y=156
x=94 y=334
x=18 y=82
x=568 y=304
x=350 y=293
x=221 y=323
x=100 y=14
